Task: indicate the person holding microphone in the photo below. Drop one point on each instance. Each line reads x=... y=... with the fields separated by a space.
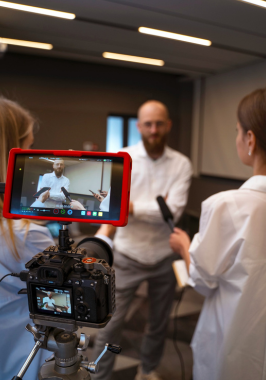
x=226 y=261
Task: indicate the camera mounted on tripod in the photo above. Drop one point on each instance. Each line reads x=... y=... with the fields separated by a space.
x=68 y=287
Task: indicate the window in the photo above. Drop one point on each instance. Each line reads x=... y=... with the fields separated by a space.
x=39 y=182
x=121 y=131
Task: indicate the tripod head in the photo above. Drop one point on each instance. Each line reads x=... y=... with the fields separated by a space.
x=67 y=361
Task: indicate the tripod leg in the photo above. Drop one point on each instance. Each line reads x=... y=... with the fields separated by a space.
x=28 y=361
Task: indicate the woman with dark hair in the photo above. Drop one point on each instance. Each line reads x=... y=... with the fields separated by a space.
x=19 y=241
x=227 y=263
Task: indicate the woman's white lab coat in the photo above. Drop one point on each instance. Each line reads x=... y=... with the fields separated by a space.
x=228 y=266
x=15 y=342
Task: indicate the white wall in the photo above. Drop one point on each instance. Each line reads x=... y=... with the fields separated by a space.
x=84 y=177
x=216 y=140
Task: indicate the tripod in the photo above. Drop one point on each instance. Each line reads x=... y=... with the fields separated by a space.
x=66 y=362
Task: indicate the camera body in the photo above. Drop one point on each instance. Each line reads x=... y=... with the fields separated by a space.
x=70 y=288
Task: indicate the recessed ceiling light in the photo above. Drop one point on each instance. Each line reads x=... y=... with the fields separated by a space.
x=132 y=58
x=41 y=11
x=174 y=36
x=31 y=44
x=260 y=3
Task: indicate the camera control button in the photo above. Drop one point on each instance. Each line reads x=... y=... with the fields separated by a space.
x=82 y=308
x=79 y=292
x=77 y=282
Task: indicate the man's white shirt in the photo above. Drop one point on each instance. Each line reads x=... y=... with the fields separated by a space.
x=146 y=237
x=49 y=301
x=56 y=195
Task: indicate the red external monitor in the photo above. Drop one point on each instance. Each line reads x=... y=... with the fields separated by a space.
x=68 y=186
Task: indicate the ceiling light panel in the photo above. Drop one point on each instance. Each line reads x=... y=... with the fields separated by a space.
x=260 y=3
x=132 y=58
x=41 y=11
x=174 y=36
x=30 y=44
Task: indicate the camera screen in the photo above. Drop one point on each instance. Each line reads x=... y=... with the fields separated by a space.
x=86 y=187
x=52 y=301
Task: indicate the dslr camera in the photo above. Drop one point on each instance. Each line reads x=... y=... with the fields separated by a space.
x=70 y=287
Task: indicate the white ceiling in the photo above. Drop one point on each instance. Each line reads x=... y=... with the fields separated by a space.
x=236 y=29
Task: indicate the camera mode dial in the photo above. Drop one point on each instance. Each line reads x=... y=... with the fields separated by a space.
x=79 y=267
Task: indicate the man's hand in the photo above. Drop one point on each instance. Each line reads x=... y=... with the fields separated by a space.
x=131 y=208
x=179 y=242
x=76 y=205
x=44 y=196
x=98 y=197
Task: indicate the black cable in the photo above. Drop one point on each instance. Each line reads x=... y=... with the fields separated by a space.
x=10 y=274
x=182 y=364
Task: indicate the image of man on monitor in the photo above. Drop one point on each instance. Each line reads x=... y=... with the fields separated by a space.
x=53 y=197
x=55 y=302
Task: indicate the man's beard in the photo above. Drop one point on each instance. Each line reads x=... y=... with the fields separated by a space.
x=156 y=147
x=58 y=172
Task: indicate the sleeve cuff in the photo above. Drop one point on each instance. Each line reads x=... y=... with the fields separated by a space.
x=106 y=239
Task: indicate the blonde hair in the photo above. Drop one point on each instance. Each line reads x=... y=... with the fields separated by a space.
x=15 y=125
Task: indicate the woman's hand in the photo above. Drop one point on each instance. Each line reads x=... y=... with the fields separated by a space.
x=179 y=242
x=76 y=205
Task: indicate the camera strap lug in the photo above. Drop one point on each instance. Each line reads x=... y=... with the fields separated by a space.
x=23 y=291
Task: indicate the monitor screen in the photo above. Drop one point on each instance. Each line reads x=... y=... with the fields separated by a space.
x=52 y=301
x=85 y=187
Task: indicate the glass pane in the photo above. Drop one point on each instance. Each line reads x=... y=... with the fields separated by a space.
x=114 y=135
x=133 y=134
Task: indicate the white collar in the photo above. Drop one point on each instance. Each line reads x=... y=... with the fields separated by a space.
x=257 y=182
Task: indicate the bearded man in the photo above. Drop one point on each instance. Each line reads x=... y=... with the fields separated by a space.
x=54 y=197
x=141 y=251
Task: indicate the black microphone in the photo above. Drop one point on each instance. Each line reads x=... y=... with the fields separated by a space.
x=166 y=213
x=66 y=193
